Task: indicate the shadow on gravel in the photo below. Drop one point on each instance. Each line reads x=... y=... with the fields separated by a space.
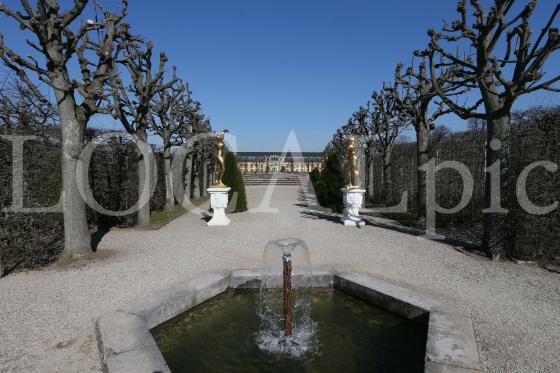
x=97 y=236
x=320 y=215
x=393 y=227
x=461 y=246
x=82 y=261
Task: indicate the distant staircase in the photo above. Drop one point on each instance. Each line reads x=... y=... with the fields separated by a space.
x=281 y=178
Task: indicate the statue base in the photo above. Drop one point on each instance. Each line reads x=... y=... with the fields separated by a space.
x=218 y=203
x=353 y=199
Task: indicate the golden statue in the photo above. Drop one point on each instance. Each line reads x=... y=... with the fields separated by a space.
x=219 y=161
x=352 y=173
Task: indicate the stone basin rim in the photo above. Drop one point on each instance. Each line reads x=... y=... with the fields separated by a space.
x=126 y=344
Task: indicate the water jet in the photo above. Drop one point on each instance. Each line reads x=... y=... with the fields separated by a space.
x=287 y=279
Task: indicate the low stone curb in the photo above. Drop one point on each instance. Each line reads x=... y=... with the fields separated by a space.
x=167 y=304
x=251 y=279
x=126 y=344
x=451 y=344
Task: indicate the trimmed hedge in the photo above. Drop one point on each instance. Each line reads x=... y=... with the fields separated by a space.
x=328 y=182
x=31 y=240
x=534 y=137
x=34 y=240
x=234 y=179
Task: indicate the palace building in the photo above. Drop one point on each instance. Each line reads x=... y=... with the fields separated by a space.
x=264 y=162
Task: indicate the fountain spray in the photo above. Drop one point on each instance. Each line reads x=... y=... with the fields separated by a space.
x=285 y=312
x=287 y=260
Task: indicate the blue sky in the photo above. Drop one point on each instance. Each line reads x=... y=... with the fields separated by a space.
x=263 y=68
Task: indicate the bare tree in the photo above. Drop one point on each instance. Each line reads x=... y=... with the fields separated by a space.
x=59 y=40
x=338 y=142
x=504 y=61
x=131 y=105
x=420 y=105
x=198 y=149
x=203 y=151
x=22 y=112
x=173 y=110
x=387 y=122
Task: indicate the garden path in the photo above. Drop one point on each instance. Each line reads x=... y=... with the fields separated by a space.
x=47 y=317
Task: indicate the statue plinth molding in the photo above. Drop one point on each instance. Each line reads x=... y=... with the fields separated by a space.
x=218 y=203
x=353 y=199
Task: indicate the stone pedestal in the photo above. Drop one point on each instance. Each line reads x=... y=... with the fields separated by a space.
x=353 y=200
x=218 y=203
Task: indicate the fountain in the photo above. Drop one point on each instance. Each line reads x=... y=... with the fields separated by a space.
x=289 y=325
x=284 y=305
x=287 y=277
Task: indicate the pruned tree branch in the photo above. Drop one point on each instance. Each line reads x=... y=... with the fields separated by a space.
x=502 y=75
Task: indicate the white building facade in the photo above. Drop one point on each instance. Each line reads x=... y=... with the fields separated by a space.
x=263 y=162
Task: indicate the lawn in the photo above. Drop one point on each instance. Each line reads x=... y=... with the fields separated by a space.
x=161 y=218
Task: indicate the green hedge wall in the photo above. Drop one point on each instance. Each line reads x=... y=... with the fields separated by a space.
x=234 y=179
x=328 y=182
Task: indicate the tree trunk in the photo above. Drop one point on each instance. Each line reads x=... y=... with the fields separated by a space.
x=188 y=182
x=211 y=176
x=77 y=239
x=494 y=222
x=204 y=179
x=362 y=154
x=168 y=175
x=421 y=160
x=369 y=174
x=196 y=179
x=144 y=178
x=387 y=177
x=371 y=177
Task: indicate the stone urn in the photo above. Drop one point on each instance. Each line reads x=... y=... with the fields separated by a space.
x=218 y=203
x=353 y=199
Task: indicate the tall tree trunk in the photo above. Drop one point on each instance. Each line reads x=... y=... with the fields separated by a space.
x=493 y=222
x=421 y=160
x=77 y=239
x=387 y=177
x=362 y=169
x=144 y=180
x=188 y=181
x=210 y=175
x=196 y=179
x=204 y=179
x=168 y=175
x=371 y=177
x=367 y=167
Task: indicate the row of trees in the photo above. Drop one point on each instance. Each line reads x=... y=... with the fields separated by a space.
x=99 y=67
x=534 y=137
x=476 y=67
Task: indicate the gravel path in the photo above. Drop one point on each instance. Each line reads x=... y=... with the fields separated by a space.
x=47 y=317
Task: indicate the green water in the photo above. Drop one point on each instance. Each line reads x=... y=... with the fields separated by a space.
x=219 y=336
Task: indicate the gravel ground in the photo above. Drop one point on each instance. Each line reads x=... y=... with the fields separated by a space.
x=47 y=317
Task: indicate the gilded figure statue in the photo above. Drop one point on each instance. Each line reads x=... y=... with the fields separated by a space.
x=219 y=161
x=352 y=172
